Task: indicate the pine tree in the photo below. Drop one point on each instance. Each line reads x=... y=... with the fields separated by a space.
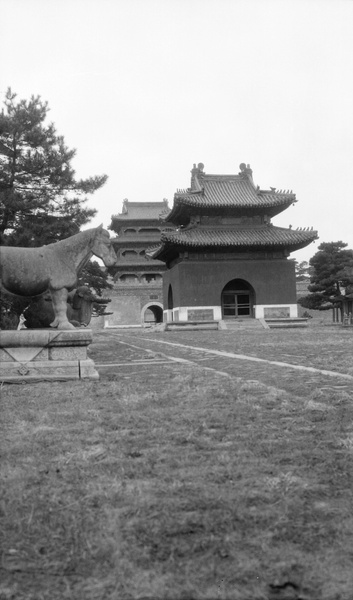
x=331 y=275
x=41 y=201
x=302 y=271
x=95 y=277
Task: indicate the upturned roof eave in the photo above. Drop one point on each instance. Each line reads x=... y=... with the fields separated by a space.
x=164 y=253
x=183 y=209
x=245 y=246
x=172 y=246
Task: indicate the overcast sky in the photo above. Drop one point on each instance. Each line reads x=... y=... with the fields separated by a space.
x=145 y=88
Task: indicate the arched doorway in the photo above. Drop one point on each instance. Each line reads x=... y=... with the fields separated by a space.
x=152 y=314
x=238 y=299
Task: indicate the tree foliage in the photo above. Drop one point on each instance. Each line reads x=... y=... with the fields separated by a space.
x=95 y=277
x=41 y=201
x=302 y=271
x=331 y=276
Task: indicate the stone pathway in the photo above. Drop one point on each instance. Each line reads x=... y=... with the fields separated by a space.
x=140 y=354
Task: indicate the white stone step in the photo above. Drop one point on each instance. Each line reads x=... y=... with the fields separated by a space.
x=287 y=322
x=236 y=324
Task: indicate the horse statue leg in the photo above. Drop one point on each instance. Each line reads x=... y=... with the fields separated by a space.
x=59 y=299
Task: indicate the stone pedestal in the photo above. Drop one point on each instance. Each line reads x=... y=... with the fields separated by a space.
x=45 y=354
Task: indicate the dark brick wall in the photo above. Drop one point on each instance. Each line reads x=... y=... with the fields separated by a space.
x=201 y=283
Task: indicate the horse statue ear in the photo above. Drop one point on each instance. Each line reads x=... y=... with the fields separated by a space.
x=100 y=230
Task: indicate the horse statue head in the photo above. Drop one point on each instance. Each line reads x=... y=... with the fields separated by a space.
x=102 y=247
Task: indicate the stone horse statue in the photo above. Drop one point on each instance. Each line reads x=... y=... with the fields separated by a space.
x=55 y=267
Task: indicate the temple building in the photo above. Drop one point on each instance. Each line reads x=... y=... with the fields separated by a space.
x=137 y=297
x=225 y=259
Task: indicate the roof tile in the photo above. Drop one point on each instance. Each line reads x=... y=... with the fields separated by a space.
x=142 y=210
x=234 y=192
x=260 y=236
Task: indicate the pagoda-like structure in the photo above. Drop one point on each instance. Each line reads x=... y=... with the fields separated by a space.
x=137 y=297
x=226 y=260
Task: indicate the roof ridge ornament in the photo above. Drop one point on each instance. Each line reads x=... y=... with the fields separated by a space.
x=246 y=172
x=196 y=172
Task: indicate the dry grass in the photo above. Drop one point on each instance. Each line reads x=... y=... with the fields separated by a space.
x=328 y=348
x=178 y=487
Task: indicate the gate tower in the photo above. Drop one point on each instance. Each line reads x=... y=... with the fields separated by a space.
x=137 y=297
x=226 y=260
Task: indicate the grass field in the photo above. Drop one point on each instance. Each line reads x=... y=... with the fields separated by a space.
x=182 y=474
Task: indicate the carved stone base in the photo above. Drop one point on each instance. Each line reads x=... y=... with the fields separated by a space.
x=45 y=354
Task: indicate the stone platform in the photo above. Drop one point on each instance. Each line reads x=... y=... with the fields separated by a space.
x=45 y=354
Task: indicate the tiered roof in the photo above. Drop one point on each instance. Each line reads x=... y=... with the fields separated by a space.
x=227 y=194
x=144 y=219
x=142 y=211
x=256 y=237
x=230 y=196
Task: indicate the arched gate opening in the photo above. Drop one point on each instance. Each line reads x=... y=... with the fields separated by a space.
x=238 y=299
x=152 y=314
